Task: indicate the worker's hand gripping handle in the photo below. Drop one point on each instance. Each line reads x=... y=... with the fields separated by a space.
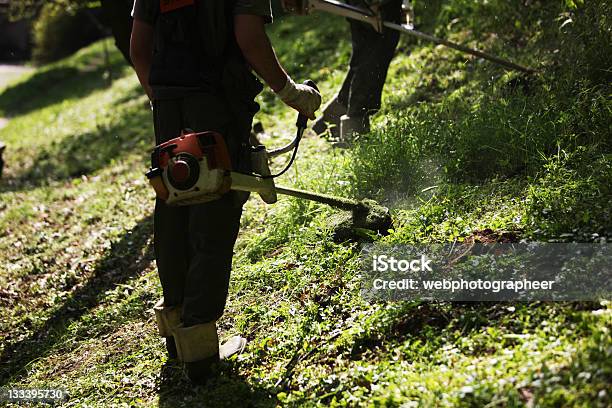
x=302 y=120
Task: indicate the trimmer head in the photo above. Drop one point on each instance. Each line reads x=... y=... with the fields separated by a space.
x=373 y=216
x=367 y=218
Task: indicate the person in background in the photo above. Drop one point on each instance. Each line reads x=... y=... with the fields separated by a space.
x=348 y=114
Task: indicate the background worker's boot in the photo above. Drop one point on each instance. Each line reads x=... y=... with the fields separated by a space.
x=351 y=127
x=330 y=118
x=168 y=318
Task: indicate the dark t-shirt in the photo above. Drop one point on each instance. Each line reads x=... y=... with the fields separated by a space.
x=146 y=10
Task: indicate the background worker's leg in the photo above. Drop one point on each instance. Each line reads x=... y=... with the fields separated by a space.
x=213 y=229
x=345 y=90
x=372 y=54
x=362 y=88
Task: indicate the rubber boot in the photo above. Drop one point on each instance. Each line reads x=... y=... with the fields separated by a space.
x=198 y=347
x=350 y=129
x=168 y=318
x=199 y=372
x=330 y=118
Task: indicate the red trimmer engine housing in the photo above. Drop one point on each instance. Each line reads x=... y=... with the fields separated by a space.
x=192 y=168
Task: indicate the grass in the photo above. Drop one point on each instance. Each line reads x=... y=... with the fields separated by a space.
x=530 y=158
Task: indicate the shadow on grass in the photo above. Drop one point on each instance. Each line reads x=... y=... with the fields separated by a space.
x=53 y=85
x=85 y=153
x=228 y=389
x=126 y=258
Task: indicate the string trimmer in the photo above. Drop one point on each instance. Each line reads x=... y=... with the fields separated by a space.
x=372 y=16
x=196 y=168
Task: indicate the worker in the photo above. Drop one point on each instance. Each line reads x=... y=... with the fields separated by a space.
x=194 y=60
x=348 y=114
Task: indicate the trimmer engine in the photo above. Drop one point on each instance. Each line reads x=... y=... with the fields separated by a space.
x=192 y=168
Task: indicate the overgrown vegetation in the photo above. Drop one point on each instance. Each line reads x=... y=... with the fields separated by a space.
x=461 y=150
x=60 y=30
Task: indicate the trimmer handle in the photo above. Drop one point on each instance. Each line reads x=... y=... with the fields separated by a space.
x=302 y=120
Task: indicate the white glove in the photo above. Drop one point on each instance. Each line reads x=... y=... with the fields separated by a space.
x=302 y=98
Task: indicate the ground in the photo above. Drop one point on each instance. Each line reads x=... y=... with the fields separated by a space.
x=462 y=150
x=9 y=73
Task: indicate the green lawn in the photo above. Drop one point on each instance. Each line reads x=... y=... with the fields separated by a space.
x=528 y=158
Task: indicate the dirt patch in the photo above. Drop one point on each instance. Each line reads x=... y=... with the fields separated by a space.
x=488 y=236
x=125 y=339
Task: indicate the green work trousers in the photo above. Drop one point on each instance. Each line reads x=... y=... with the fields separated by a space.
x=194 y=244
